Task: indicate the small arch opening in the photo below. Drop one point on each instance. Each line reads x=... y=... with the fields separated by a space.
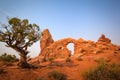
x=70 y=47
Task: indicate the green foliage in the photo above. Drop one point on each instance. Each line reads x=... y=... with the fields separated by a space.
x=55 y=75
x=68 y=59
x=19 y=35
x=8 y=58
x=103 y=72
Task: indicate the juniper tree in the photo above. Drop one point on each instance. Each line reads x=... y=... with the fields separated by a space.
x=19 y=35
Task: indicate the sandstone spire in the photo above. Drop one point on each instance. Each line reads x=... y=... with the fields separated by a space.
x=103 y=39
x=46 y=39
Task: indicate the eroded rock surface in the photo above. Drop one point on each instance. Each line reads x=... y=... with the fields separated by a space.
x=103 y=39
x=46 y=40
x=58 y=49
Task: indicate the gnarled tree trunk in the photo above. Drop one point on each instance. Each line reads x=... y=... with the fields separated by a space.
x=23 y=61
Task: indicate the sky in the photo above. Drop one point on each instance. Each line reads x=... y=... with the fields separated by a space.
x=86 y=19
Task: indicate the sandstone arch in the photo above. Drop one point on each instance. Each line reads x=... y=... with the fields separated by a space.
x=58 y=49
x=70 y=47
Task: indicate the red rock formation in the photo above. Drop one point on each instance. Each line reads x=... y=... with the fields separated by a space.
x=58 y=49
x=103 y=39
x=46 y=40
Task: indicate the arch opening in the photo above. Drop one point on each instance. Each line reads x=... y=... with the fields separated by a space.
x=70 y=47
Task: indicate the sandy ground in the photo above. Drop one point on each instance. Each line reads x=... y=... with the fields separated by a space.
x=73 y=70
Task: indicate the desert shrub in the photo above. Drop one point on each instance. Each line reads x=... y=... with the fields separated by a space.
x=1 y=70
x=55 y=75
x=103 y=72
x=40 y=78
x=8 y=63
x=68 y=59
x=8 y=58
x=102 y=61
x=51 y=59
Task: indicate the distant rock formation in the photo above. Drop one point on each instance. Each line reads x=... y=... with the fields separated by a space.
x=103 y=39
x=46 y=40
x=58 y=49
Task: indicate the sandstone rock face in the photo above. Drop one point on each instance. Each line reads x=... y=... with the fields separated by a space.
x=58 y=49
x=103 y=39
x=46 y=39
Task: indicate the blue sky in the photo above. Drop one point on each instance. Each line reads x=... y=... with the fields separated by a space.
x=86 y=19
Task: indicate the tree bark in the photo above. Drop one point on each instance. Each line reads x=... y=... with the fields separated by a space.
x=23 y=61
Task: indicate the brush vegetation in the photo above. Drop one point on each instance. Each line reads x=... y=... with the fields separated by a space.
x=55 y=75
x=103 y=71
x=8 y=58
